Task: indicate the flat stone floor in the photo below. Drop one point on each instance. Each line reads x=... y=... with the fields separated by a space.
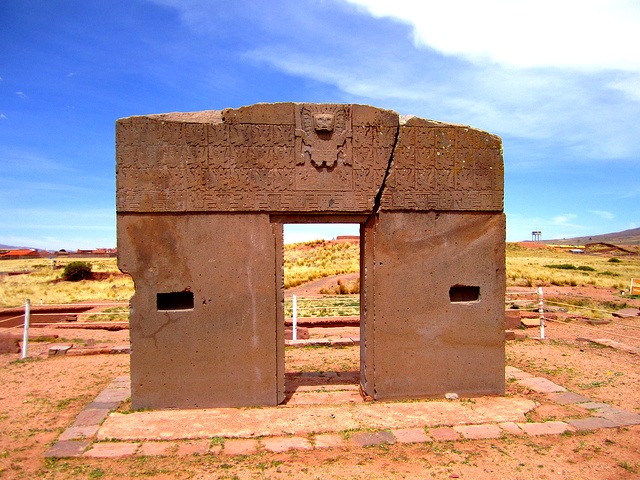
x=331 y=418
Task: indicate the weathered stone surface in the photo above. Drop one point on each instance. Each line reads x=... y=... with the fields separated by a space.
x=419 y=340
x=112 y=450
x=473 y=432
x=541 y=385
x=445 y=167
x=369 y=439
x=201 y=200
x=545 y=428
x=221 y=351
x=67 y=448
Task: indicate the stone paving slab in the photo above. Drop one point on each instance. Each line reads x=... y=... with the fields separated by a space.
x=622 y=419
x=284 y=444
x=513 y=372
x=475 y=432
x=486 y=417
x=329 y=440
x=195 y=447
x=591 y=423
x=369 y=439
x=444 y=434
x=157 y=449
x=567 y=398
x=68 y=448
x=511 y=428
x=307 y=419
x=79 y=433
x=541 y=385
x=112 y=450
x=241 y=446
x=411 y=435
x=545 y=428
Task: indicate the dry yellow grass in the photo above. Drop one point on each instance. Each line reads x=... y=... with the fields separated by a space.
x=533 y=267
x=43 y=283
x=304 y=262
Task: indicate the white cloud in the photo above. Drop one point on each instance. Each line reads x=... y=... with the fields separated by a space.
x=603 y=214
x=580 y=34
x=564 y=220
x=21 y=94
x=3 y=116
x=630 y=86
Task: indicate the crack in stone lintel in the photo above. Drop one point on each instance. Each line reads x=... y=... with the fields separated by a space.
x=378 y=199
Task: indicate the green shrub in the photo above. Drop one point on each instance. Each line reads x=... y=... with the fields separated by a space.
x=568 y=266
x=614 y=260
x=563 y=266
x=76 y=271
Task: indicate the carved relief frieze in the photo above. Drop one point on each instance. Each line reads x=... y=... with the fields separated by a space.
x=327 y=157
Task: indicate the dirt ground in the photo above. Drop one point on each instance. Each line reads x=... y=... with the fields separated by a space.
x=40 y=397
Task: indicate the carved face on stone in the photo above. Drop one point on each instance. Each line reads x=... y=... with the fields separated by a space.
x=323 y=122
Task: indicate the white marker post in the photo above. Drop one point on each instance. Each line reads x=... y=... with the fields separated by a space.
x=25 y=334
x=541 y=311
x=294 y=315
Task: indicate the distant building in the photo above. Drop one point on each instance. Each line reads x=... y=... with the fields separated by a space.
x=19 y=253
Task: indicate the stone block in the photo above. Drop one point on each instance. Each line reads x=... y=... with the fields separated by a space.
x=567 y=398
x=9 y=343
x=511 y=319
x=157 y=449
x=541 y=385
x=369 y=439
x=474 y=432
x=545 y=428
x=67 y=448
x=329 y=440
x=283 y=444
x=112 y=450
x=193 y=447
x=511 y=428
x=447 y=333
x=444 y=434
x=411 y=435
x=592 y=423
x=240 y=446
x=58 y=350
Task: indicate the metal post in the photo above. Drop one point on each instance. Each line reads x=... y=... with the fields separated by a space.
x=295 y=317
x=25 y=335
x=541 y=311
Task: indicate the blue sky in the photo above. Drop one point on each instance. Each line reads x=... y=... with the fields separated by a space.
x=559 y=81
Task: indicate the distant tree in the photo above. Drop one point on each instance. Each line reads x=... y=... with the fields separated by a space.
x=76 y=271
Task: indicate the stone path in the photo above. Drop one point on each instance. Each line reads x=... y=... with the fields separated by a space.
x=99 y=432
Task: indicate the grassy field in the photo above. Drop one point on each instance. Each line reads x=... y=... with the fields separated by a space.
x=547 y=266
x=304 y=262
x=308 y=261
x=41 y=282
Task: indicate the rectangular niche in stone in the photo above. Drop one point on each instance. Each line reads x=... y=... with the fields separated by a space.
x=175 y=301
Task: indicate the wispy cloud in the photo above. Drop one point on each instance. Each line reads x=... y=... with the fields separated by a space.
x=21 y=95
x=603 y=214
x=564 y=220
x=3 y=116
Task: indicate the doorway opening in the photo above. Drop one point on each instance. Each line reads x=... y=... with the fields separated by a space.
x=321 y=281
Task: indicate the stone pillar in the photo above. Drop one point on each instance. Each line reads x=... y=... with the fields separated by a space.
x=434 y=310
x=203 y=319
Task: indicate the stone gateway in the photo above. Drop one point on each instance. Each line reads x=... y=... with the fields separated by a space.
x=201 y=202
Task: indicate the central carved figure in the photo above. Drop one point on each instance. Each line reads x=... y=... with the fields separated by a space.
x=323 y=129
